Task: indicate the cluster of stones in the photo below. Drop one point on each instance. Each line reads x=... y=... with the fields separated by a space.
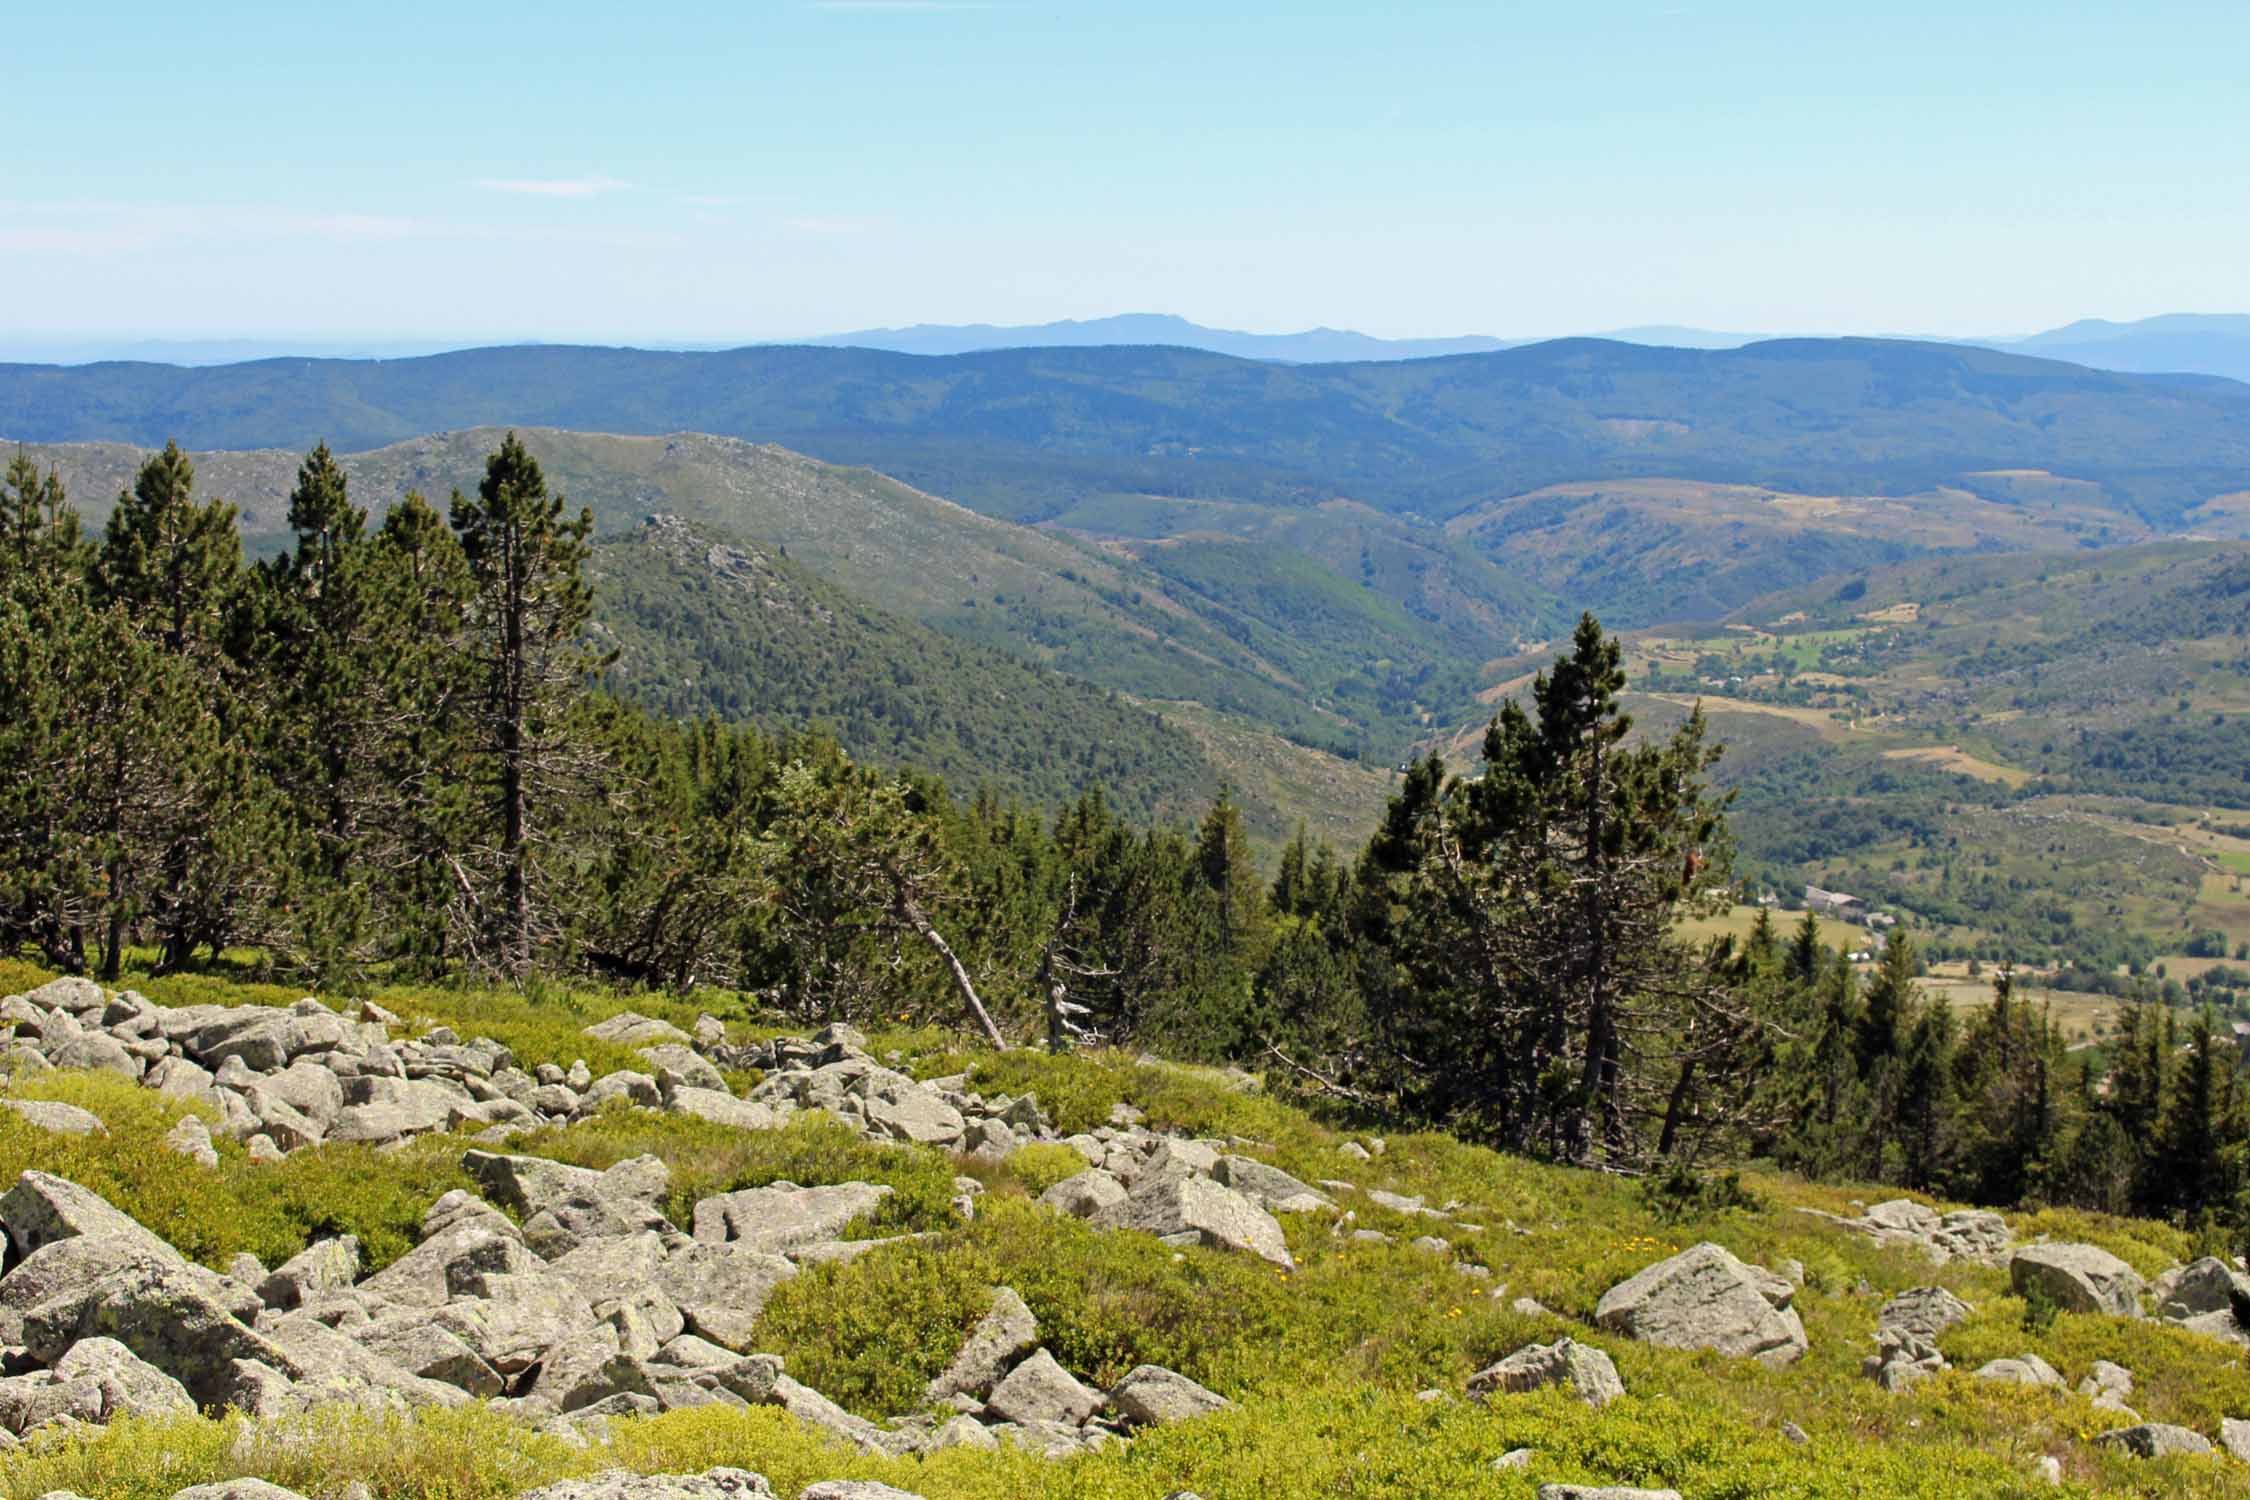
x=281 y=1078
x=1972 y=1234
x=2082 y=1279
x=595 y=1306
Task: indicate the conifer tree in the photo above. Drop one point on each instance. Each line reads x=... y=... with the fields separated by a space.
x=531 y=603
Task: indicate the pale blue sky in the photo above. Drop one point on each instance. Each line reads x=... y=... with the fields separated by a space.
x=776 y=167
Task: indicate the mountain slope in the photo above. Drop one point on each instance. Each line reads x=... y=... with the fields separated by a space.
x=705 y=625
x=1231 y=638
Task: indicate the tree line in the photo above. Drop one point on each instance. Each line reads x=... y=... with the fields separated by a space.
x=382 y=753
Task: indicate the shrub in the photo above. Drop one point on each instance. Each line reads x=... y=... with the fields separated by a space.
x=1041 y=1165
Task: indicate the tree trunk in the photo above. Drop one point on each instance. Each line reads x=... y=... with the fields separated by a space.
x=912 y=913
x=515 y=942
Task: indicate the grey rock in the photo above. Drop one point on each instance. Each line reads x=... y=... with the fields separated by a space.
x=161 y=1313
x=57 y=1118
x=237 y=1489
x=1267 y=1186
x=426 y=1275
x=128 y=1384
x=95 y=1052
x=1925 y=1311
x=2156 y=1440
x=1086 y=1194
x=1195 y=1210
x=1602 y=1492
x=2078 y=1278
x=2106 y=1380
x=721 y=1288
x=322 y=1266
x=1040 y=1390
x=2234 y=1436
x=415 y=1344
x=512 y=1319
x=191 y=1138
x=527 y=1184
x=623 y=1484
x=627 y=1085
x=723 y=1108
x=759 y=1380
x=1704 y=1298
x=331 y=1366
x=1589 y=1372
x=685 y=1063
x=632 y=1029
x=908 y=1112
x=70 y=993
x=854 y=1489
x=784 y=1216
x=1005 y=1334
x=2026 y=1369
x=178 y=1078
x=1150 y=1395
x=2204 y=1286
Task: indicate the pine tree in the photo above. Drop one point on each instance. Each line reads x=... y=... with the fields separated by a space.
x=171 y=567
x=1543 y=1001
x=531 y=603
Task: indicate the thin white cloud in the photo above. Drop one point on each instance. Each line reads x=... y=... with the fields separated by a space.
x=553 y=187
x=823 y=226
x=901 y=5
x=710 y=200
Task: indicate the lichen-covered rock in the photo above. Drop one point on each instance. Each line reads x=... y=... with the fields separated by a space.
x=161 y=1313
x=2156 y=1440
x=783 y=1216
x=2024 y=1369
x=57 y=1118
x=854 y=1489
x=1704 y=1298
x=1002 y=1336
x=1151 y=1395
x=1196 y=1210
x=632 y=1029
x=2203 y=1286
x=1589 y=1372
x=1040 y=1390
x=237 y=1489
x=1086 y=1194
x=721 y=1288
x=1925 y=1311
x=322 y=1266
x=623 y=1484
x=415 y=1344
x=2078 y=1278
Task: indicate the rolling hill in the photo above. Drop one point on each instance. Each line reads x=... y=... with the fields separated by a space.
x=1029 y=433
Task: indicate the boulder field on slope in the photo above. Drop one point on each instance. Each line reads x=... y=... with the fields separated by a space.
x=617 y=1313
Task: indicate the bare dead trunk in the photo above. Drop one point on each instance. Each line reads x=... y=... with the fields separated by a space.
x=912 y=912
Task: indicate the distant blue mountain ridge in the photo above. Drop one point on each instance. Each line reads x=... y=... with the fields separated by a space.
x=2174 y=343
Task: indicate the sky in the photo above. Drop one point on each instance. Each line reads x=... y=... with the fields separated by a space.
x=659 y=172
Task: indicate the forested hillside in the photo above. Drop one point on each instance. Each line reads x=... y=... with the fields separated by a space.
x=705 y=626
